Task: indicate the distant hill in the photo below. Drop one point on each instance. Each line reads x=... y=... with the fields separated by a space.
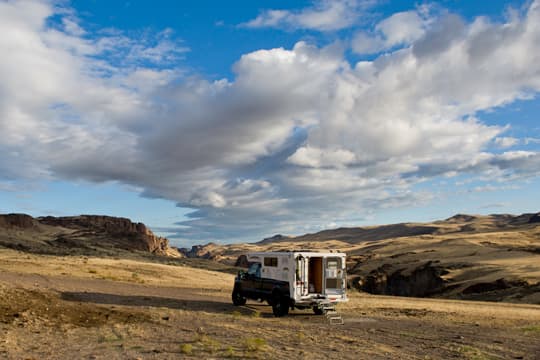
x=464 y=223
x=84 y=234
x=494 y=257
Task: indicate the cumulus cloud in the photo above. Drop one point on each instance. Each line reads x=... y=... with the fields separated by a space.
x=324 y=15
x=298 y=138
x=402 y=28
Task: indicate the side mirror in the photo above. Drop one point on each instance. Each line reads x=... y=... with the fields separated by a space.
x=241 y=274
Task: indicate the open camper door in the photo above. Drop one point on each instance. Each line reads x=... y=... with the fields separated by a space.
x=334 y=275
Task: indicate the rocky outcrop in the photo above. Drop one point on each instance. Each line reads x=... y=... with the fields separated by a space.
x=499 y=284
x=199 y=251
x=87 y=232
x=461 y=218
x=129 y=235
x=534 y=219
x=419 y=281
x=21 y=221
x=273 y=239
x=109 y=224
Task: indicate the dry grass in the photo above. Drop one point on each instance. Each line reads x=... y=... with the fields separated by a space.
x=472 y=310
x=181 y=312
x=115 y=269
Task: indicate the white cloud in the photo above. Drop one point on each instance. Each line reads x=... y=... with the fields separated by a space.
x=506 y=142
x=297 y=137
x=491 y=188
x=324 y=15
x=399 y=29
x=313 y=157
x=531 y=141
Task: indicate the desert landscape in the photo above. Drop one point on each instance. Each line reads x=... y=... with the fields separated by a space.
x=389 y=150
x=493 y=257
x=82 y=297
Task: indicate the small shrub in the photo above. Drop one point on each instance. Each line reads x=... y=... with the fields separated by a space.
x=229 y=352
x=209 y=344
x=255 y=344
x=110 y=277
x=135 y=276
x=256 y=314
x=110 y=338
x=472 y=353
x=534 y=329
x=92 y=271
x=186 y=349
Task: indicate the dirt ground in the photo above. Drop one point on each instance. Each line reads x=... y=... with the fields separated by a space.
x=92 y=308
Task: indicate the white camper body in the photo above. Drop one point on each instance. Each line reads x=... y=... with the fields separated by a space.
x=312 y=277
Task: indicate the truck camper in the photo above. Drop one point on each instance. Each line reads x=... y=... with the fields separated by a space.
x=293 y=279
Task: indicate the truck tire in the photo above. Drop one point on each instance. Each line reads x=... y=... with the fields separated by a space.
x=237 y=298
x=280 y=306
x=317 y=310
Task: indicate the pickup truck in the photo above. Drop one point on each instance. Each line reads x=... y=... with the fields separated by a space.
x=288 y=280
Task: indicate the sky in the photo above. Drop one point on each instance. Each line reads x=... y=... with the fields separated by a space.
x=216 y=121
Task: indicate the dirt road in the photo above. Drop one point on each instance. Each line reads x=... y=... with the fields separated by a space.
x=57 y=315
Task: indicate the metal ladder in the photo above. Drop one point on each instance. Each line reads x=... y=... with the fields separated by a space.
x=329 y=310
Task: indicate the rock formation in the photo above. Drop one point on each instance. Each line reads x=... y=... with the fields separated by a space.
x=21 y=221
x=85 y=232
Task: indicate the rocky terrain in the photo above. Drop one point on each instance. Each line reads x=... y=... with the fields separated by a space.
x=84 y=234
x=494 y=257
x=101 y=302
x=84 y=307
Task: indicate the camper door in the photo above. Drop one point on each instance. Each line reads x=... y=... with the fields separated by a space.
x=334 y=274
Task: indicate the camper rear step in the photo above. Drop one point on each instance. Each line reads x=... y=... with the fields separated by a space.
x=329 y=310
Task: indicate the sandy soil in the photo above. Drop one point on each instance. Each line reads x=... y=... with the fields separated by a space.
x=91 y=308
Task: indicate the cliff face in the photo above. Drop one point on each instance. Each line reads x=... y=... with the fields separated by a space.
x=418 y=281
x=85 y=232
x=20 y=221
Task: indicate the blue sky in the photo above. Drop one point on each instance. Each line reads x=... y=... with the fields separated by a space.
x=233 y=121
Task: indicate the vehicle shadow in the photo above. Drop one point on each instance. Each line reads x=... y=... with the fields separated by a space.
x=253 y=309
x=264 y=310
x=155 y=301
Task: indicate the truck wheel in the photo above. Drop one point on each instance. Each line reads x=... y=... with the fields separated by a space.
x=237 y=298
x=317 y=310
x=280 y=306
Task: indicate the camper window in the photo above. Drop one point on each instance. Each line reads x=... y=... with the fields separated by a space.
x=270 y=261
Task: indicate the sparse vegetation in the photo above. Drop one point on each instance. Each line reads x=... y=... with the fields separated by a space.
x=533 y=330
x=300 y=336
x=229 y=352
x=186 y=349
x=208 y=343
x=121 y=318
x=137 y=278
x=255 y=344
x=110 y=277
x=472 y=353
x=110 y=338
